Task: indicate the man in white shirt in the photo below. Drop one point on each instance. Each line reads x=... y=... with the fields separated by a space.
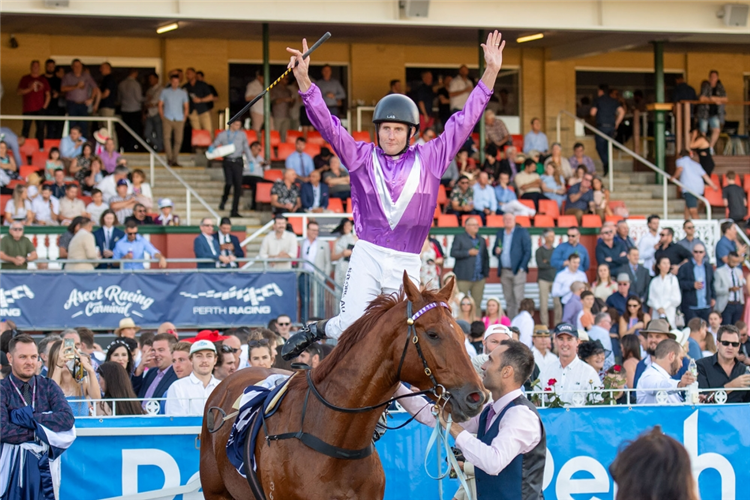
x=108 y=185
x=665 y=363
x=508 y=429
x=600 y=331
x=46 y=207
x=648 y=242
x=187 y=396
x=280 y=244
x=569 y=275
x=569 y=373
x=543 y=356
x=317 y=254
x=459 y=89
x=729 y=285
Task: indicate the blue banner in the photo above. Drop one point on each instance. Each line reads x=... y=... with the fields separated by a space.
x=41 y=301
x=152 y=453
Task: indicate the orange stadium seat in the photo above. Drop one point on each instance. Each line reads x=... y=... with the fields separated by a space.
x=30 y=146
x=442 y=197
x=284 y=150
x=549 y=207
x=447 y=220
x=567 y=221
x=363 y=136
x=528 y=203
x=252 y=136
x=291 y=136
x=613 y=218
x=296 y=223
x=312 y=149
x=523 y=220
x=263 y=192
x=51 y=143
x=39 y=159
x=494 y=221
x=590 y=220
x=25 y=170
x=348 y=205
x=314 y=137
x=544 y=221
x=201 y=139
x=335 y=205
x=275 y=138
x=273 y=174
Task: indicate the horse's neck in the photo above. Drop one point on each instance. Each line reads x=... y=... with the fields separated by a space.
x=364 y=377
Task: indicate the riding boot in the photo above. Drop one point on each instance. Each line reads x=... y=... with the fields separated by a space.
x=298 y=342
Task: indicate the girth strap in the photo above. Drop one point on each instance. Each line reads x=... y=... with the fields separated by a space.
x=321 y=446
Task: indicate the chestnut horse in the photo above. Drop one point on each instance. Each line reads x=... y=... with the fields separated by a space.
x=361 y=371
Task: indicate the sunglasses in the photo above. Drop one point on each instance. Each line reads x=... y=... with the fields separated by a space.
x=283 y=324
x=257 y=343
x=663 y=235
x=572 y=235
x=607 y=232
x=226 y=348
x=698 y=251
x=727 y=343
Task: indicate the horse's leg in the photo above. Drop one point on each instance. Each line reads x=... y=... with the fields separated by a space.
x=211 y=480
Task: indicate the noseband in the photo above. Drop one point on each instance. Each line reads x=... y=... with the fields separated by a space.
x=437 y=390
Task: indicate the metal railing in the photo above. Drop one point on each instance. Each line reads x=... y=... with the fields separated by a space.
x=611 y=143
x=587 y=398
x=153 y=155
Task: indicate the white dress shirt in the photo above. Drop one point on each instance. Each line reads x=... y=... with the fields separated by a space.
x=563 y=280
x=577 y=376
x=647 y=251
x=664 y=293
x=43 y=210
x=656 y=379
x=187 y=396
x=518 y=433
x=543 y=361
x=309 y=252
x=525 y=324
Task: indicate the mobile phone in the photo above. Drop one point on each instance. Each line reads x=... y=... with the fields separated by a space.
x=69 y=347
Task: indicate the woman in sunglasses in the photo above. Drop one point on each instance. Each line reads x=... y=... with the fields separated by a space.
x=664 y=295
x=634 y=318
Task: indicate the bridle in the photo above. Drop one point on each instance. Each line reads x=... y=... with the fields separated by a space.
x=437 y=390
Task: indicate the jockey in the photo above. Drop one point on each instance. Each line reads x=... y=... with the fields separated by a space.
x=394 y=188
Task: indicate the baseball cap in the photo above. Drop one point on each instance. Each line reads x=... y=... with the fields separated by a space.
x=165 y=202
x=565 y=329
x=122 y=182
x=623 y=278
x=202 y=345
x=492 y=330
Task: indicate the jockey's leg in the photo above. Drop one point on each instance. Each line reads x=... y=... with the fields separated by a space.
x=362 y=285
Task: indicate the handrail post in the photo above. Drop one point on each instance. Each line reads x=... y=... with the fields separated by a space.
x=610 y=158
x=187 y=205
x=109 y=127
x=151 y=168
x=664 y=195
x=678 y=128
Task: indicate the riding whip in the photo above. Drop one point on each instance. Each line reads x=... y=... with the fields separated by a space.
x=258 y=97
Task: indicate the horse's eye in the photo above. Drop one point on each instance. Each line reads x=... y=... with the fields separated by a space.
x=433 y=335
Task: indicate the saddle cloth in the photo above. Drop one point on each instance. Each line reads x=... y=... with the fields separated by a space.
x=252 y=400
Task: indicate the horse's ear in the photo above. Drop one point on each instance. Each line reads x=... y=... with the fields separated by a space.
x=446 y=292
x=411 y=290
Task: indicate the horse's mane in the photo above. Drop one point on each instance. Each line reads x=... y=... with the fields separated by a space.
x=363 y=326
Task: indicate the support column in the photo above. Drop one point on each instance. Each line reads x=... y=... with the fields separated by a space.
x=267 y=98
x=482 y=140
x=659 y=127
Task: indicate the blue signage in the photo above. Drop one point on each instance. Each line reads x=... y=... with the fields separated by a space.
x=42 y=301
x=152 y=453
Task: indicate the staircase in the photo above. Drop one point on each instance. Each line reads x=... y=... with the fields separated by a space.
x=640 y=192
x=209 y=184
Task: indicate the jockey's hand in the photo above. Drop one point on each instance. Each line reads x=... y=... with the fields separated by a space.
x=302 y=65
x=493 y=50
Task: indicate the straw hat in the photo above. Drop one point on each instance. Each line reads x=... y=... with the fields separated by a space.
x=101 y=135
x=126 y=323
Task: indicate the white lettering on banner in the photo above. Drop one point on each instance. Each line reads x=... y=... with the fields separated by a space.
x=708 y=460
x=8 y=297
x=132 y=459
x=120 y=301
x=566 y=486
x=207 y=310
x=15 y=313
x=253 y=295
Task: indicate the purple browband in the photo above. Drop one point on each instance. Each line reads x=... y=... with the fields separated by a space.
x=429 y=307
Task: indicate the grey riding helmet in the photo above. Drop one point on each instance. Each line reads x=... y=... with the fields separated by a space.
x=397 y=108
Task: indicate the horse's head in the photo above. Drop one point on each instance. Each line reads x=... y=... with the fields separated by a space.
x=443 y=358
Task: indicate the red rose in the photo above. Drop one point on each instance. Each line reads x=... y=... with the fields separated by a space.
x=617 y=368
x=551 y=382
x=548 y=389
